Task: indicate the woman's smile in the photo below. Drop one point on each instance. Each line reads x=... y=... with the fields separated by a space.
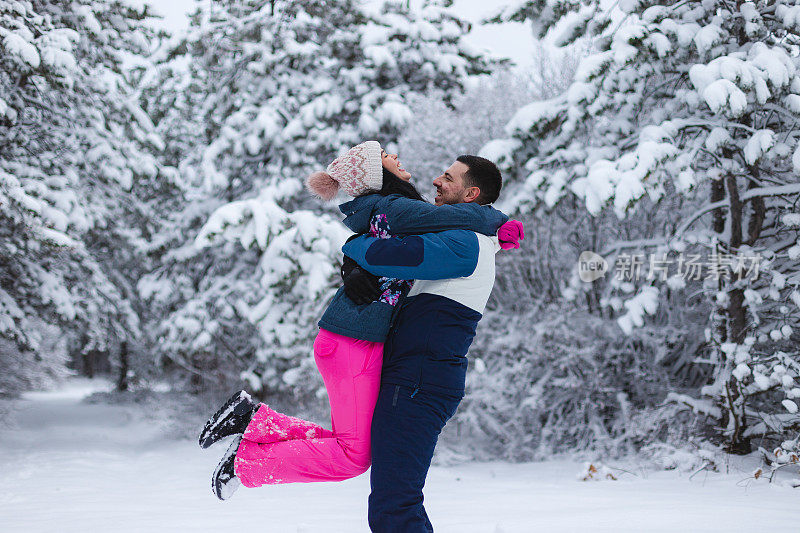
x=392 y=164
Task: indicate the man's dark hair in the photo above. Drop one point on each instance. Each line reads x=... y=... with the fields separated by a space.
x=484 y=175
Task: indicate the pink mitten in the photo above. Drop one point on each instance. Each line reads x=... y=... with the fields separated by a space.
x=510 y=234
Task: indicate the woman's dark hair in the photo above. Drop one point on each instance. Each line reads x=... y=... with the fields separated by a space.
x=394 y=185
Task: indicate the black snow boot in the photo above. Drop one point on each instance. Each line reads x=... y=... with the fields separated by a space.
x=224 y=482
x=231 y=419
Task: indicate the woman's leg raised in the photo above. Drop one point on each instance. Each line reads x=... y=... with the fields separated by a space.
x=268 y=426
x=351 y=370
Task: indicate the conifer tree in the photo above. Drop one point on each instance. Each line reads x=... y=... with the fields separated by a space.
x=76 y=174
x=695 y=100
x=278 y=90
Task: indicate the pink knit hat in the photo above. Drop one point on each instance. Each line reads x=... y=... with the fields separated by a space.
x=355 y=172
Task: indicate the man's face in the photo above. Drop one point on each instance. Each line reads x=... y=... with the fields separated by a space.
x=451 y=188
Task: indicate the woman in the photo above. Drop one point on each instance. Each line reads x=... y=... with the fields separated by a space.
x=271 y=447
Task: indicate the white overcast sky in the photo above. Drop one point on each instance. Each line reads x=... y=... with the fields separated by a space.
x=508 y=40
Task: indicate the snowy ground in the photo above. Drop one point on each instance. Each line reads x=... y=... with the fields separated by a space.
x=70 y=466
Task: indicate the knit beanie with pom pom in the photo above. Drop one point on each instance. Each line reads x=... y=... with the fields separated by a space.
x=355 y=172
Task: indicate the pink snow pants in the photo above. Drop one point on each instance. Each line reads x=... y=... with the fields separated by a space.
x=277 y=448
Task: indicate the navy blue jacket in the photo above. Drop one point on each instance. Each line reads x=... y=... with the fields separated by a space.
x=371 y=322
x=427 y=346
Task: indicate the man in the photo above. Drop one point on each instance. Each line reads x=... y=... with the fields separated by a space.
x=425 y=362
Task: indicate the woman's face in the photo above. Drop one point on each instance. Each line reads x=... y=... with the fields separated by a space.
x=390 y=163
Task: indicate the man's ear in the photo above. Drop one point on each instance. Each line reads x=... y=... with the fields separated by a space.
x=472 y=194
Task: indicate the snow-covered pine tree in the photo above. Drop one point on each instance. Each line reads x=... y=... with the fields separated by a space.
x=130 y=188
x=413 y=48
x=72 y=158
x=447 y=125
x=279 y=92
x=261 y=94
x=35 y=207
x=696 y=100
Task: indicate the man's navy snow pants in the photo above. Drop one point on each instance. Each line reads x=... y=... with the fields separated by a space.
x=405 y=427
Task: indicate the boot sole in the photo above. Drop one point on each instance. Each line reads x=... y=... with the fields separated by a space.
x=206 y=440
x=226 y=490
